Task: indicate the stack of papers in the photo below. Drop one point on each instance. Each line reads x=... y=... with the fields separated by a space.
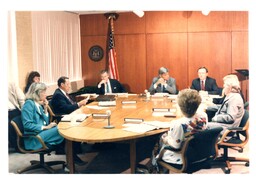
x=145 y=126
x=75 y=117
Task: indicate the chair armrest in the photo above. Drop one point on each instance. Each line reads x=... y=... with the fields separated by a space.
x=37 y=137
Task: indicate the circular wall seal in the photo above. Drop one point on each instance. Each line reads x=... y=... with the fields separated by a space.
x=96 y=53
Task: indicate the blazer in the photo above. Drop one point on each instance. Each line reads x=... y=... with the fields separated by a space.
x=60 y=103
x=171 y=86
x=230 y=112
x=33 y=120
x=116 y=87
x=210 y=85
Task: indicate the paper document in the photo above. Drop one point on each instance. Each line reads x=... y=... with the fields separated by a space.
x=75 y=117
x=145 y=126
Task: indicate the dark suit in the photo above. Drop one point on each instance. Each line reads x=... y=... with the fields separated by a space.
x=210 y=85
x=116 y=87
x=61 y=104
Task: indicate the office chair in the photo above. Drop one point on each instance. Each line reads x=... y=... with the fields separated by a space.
x=19 y=129
x=197 y=151
x=53 y=116
x=236 y=142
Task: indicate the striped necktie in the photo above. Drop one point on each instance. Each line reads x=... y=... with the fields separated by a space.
x=72 y=102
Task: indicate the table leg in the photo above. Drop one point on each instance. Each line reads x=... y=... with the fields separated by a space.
x=133 y=155
x=69 y=157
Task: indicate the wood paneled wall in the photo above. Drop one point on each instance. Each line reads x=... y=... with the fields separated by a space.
x=181 y=41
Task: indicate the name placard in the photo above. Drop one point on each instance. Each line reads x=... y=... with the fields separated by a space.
x=129 y=102
x=133 y=120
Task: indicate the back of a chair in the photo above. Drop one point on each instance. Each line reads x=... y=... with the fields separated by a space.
x=203 y=146
x=19 y=129
x=244 y=122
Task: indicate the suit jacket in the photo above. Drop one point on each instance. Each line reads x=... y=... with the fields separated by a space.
x=210 y=85
x=33 y=120
x=171 y=86
x=230 y=113
x=116 y=87
x=61 y=104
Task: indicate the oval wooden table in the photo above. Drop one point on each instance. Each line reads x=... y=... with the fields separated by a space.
x=92 y=130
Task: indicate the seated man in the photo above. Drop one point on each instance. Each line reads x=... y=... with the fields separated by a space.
x=163 y=83
x=205 y=83
x=231 y=111
x=61 y=102
x=107 y=85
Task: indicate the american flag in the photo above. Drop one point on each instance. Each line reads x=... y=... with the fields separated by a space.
x=112 y=63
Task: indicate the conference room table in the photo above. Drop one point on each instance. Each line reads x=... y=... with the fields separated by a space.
x=93 y=130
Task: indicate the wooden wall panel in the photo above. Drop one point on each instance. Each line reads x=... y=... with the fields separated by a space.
x=129 y=23
x=170 y=51
x=179 y=40
x=212 y=50
x=131 y=58
x=240 y=21
x=240 y=50
x=90 y=69
x=215 y=21
x=166 y=21
x=93 y=25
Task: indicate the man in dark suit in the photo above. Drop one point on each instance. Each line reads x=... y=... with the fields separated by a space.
x=107 y=85
x=163 y=83
x=62 y=104
x=61 y=101
x=203 y=82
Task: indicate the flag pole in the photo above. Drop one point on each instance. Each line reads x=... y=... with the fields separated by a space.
x=112 y=63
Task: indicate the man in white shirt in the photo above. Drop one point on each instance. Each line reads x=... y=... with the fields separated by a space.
x=107 y=85
x=16 y=100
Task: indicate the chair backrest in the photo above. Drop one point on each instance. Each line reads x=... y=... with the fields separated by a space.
x=19 y=129
x=202 y=146
x=244 y=122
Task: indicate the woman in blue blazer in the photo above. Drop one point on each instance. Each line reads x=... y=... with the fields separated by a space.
x=35 y=118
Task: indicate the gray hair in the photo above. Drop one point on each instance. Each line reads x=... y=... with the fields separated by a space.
x=163 y=70
x=233 y=82
x=35 y=90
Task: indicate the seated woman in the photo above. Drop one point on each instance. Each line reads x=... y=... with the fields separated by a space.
x=231 y=111
x=191 y=122
x=35 y=119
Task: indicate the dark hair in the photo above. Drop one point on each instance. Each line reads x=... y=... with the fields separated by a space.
x=203 y=68
x=30 y=79
x=103 y=71
x=62 y=79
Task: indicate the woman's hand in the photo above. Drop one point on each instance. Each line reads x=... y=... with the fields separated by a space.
x=52 y=124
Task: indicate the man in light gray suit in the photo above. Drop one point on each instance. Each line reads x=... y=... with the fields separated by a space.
x=163 y=83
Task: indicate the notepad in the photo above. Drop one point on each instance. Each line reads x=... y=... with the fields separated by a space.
x=75 y=117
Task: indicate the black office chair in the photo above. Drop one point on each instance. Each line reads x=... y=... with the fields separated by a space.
x=197 y=152
x=53 y=116
x=19 y=129
x=240 y=137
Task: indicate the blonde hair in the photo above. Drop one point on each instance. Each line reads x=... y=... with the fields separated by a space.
x=35 y=90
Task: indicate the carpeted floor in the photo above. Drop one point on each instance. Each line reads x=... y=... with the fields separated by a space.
x=113 y=158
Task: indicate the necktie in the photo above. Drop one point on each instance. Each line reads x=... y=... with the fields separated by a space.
x=107 y=88
x=72 y=102
x=202 y=85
